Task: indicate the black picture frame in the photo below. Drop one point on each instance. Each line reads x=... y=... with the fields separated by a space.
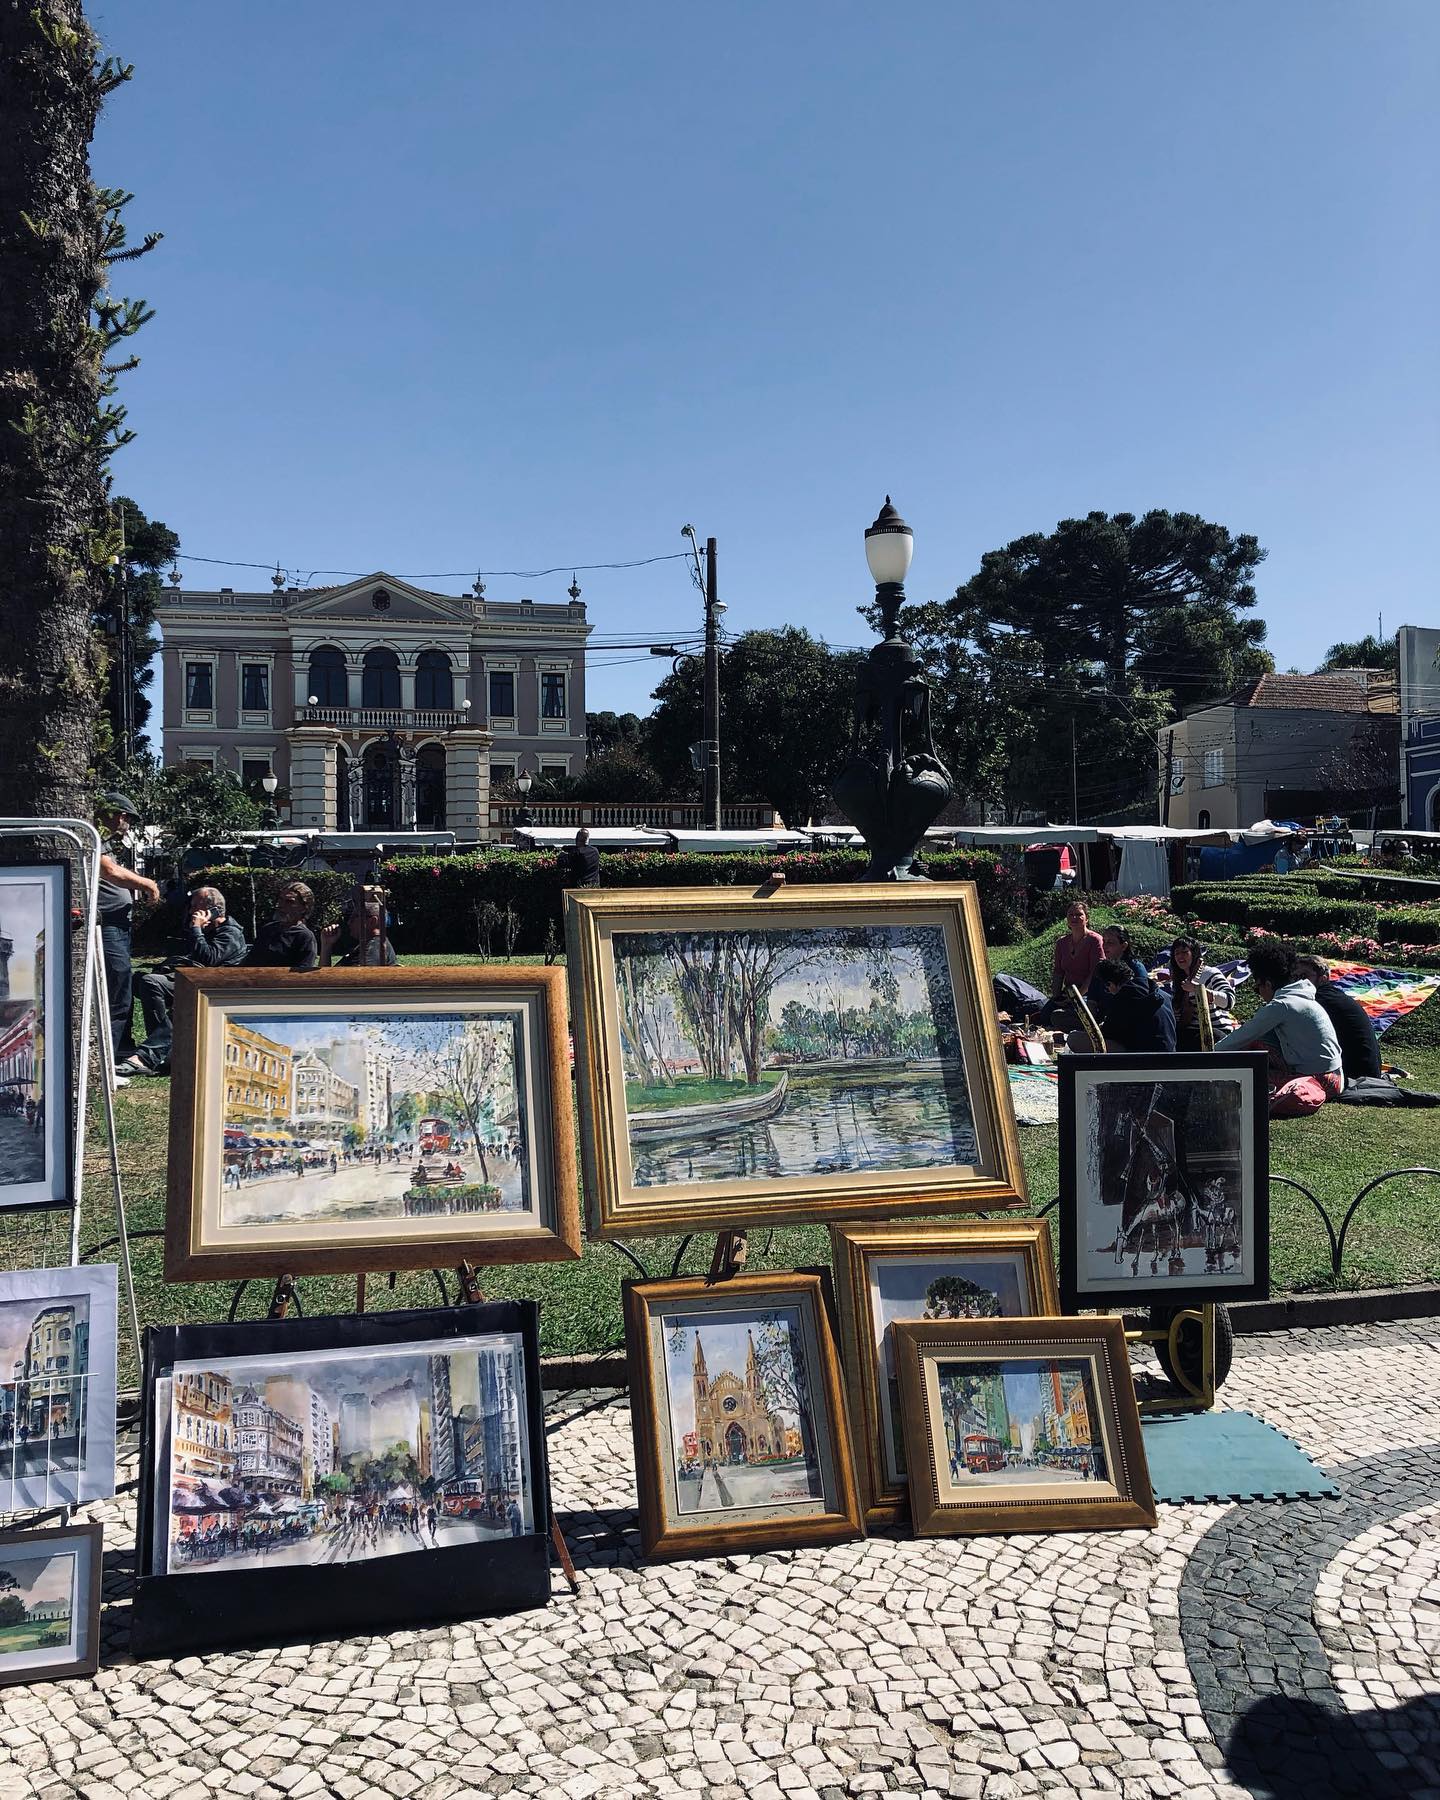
x=59 y=1090
x=179 y=1614
x=1249 y=1282
x=85 y=1593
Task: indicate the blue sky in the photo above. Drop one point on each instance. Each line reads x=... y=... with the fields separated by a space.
x=511 y=286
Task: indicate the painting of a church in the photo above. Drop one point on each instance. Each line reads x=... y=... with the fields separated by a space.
x=733 y=1420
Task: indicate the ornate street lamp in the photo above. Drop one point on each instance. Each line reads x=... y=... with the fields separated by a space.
x=893 y=786
x=524 y=782
x=269 y=818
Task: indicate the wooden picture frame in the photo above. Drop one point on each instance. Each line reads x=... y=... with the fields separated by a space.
x=79 y=1654
x=498 y=1036
x=1010 y=1260
x=281 y=1493
x=782 y=1131
x=765 y=1461
x=35 y=1037
x=1070 y=1456
x=1164 y=1161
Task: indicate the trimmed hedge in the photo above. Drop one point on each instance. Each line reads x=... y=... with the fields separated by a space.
x=506 y=902
x=1291 y=906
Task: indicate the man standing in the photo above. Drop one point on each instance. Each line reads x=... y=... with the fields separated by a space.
x=211 y=940
x=1359 y=1047
x=119 y=884
x=580 y=863
x=1305 y=1063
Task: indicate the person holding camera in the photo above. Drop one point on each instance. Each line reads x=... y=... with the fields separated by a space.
x=211 y=940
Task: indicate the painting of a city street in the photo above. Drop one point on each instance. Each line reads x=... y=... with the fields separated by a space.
x=342 y=1456
x=1017 y=1421
x=32 y=915
x=741 y=1414
x=761 y=1054
x=341 y=1120
x=57 y=1380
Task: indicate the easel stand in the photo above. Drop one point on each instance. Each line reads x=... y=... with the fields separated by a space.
x=1194 y=1397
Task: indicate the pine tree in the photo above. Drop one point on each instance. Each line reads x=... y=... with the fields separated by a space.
x=59 y=423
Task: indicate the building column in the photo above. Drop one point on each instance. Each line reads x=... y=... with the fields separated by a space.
x=407 y=684
x=312 y=776
x=354 y=682
x=467 y=784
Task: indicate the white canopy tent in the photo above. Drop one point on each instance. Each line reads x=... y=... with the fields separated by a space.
x=603 y=837
x=736 y=842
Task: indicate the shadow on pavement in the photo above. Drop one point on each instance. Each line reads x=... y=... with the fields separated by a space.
x=1292 y=1749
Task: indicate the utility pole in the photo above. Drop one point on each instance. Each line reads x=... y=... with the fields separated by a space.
x=1074 y=778
x=710 y=797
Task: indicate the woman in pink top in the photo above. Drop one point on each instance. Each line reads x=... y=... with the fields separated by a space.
x=1077 y=955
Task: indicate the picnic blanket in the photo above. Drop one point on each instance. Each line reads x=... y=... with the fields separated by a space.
x=1035 y=1092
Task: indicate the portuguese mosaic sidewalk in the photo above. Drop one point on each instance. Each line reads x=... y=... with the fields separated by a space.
x=1273 y=1649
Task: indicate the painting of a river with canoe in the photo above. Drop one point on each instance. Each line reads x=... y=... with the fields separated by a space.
x=762 y=1054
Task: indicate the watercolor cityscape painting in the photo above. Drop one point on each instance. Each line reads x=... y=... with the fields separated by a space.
x=349 y=1119
x=341 y=1456
x=1013 y=1422
x=46 y=1400
x=741 y=1414
x=30 y=911
x=769 y=1053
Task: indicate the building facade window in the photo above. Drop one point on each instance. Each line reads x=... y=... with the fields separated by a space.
x=502 y=694
x=255 y=687
x=1213 y=769
x=380 y=680
x=199 y=687
x=434 y=681
x=502 y=774
x=327 y=677
x=552 y=695
x=1202 y=819
x=554 y=771
x=253 y=770
x=430 y=788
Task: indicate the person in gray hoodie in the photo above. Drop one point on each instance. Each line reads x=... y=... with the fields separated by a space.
x=1305 y=1063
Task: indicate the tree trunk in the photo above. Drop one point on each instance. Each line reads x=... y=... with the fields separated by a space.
x=52 y=499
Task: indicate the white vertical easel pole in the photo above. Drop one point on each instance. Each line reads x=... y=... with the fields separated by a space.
x=107 y=1084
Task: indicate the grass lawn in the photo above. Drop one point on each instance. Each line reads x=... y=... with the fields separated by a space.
x=690 y=1090
x=1395 y=1238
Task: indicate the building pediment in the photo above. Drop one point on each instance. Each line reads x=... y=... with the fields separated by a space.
x=380 y=597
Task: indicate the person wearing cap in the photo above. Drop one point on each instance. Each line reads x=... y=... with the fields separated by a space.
x=119 y=884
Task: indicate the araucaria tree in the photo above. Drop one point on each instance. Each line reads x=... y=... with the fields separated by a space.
x=60 y=328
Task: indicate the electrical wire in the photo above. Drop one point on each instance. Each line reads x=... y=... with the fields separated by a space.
x=578 y=568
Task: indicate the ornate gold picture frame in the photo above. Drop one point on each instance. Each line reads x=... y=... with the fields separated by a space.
x=1021 y=1425
x=777 y=1055
x=738 y=1410
x=922 y=1270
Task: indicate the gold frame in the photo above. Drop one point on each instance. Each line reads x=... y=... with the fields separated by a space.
x=853 y=1250
x=660 y=1537
x=618 y=1209
x=187 y=1256
x=1130 y=1503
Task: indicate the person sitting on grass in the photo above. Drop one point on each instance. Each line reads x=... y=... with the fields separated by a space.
x=211 y=940
x=1306 y=1068
x=1137 y=1016
x=370 y=946
x=285 y=941
x=1359 y=1047
x=1189 y=972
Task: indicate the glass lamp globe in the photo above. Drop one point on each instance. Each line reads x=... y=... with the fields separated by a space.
x=889 y=545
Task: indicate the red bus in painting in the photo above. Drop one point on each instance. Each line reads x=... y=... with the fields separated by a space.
x=983 y=1455
x=434 y=1135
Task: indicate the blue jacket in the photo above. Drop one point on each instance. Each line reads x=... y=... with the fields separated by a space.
x=1139 y=1018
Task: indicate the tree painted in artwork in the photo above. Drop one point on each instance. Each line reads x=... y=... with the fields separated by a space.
x=784 y=1377
x=476 y=1078
x=954 y=1297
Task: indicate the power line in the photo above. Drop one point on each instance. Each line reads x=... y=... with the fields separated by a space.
x=640 y=562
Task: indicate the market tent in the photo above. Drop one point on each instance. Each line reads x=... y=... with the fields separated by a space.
x=603 y=837
x=996 y=835
x=736 y=842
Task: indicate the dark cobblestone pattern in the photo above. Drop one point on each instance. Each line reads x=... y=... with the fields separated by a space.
x=1264 y=1663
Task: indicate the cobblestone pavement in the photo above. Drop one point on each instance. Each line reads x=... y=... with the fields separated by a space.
x=1277 y=1649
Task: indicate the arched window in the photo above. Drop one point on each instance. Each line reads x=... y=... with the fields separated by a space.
x=327 y=677
x=430 y=788
x=434 y=684
x=1202 y=819
x=380 y=682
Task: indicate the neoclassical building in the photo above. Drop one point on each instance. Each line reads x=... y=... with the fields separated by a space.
x=377 y=704
x=734 y=1422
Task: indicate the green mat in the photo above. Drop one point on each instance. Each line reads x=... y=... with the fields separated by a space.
x=1227 y=1456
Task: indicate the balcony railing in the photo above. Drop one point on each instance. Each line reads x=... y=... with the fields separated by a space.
x=660 y=815
x=384 y=718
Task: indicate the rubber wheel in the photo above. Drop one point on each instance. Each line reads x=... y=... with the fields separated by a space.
x=1189 y=1344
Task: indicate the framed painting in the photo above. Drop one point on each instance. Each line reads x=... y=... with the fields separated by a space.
x=1164 y=1179
x=57 y=1387
x=35 y=1148
x=749 y=1057
x=1021 y=1425
x=375 y=1118
x=962 y=1269
x=50 y=1603
x=739 y=1416
x=340 y=1474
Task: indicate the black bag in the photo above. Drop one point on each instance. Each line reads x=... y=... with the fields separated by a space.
x=1380 y=1090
